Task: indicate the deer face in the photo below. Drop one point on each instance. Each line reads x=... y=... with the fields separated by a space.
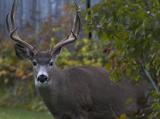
x=43 y=66
x=43 y=62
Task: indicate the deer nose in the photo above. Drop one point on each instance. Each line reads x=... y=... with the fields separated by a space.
x=42 y=78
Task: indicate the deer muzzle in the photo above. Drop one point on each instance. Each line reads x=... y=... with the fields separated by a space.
x=42 y=78
x=42 y=75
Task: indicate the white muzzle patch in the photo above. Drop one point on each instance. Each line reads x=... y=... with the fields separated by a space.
x=42 y=71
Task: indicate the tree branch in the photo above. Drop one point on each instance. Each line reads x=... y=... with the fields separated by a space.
x=151 y=80
x=147 y=74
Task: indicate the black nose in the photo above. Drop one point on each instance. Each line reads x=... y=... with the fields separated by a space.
x=42 y=78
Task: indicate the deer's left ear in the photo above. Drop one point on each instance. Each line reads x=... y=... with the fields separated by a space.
x=23 y=52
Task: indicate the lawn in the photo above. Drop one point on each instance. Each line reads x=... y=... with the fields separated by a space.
x=16 y=113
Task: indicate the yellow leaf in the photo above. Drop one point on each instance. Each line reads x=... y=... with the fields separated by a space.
x=19 y=73
x=3 y=72
x=122 y=116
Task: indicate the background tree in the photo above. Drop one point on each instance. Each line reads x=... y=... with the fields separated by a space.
x=130 y=30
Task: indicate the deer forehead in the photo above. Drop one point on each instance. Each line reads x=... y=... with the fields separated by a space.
x=43 y=57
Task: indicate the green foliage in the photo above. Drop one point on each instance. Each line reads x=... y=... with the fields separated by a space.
x=15 y=113
x=84 y=52
x=131 y=28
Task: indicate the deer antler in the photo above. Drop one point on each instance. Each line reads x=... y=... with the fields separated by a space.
x=13 y=29
x=74 y=32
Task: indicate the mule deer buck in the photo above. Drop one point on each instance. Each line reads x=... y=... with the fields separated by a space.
x=80 y=92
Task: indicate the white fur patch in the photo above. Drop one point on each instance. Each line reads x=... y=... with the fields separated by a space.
x=42 y=71
x=39 y=84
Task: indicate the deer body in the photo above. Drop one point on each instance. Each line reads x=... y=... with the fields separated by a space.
x=87 y=93
x=80 y=92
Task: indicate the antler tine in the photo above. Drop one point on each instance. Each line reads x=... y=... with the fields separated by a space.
x=17 y=39
x=77 y=20
x=13 y=29
x=12 y=14
x=74 y=32
x=7 y=22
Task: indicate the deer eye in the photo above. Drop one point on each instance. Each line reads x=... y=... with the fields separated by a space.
x=34 y=63
x=51 y=64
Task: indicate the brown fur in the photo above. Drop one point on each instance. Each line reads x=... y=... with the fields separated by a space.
x=87 y=93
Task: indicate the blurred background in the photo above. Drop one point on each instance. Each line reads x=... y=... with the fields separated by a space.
x=120 y=35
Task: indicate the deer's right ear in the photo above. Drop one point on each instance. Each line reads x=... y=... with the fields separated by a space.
x=23 y=52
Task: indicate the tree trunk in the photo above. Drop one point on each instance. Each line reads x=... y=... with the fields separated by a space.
x=88 y=6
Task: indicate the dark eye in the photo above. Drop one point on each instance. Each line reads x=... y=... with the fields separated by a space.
x=51 y=64
x=34 y=63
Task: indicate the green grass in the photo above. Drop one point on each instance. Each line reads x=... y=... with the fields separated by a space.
x=16 y=113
